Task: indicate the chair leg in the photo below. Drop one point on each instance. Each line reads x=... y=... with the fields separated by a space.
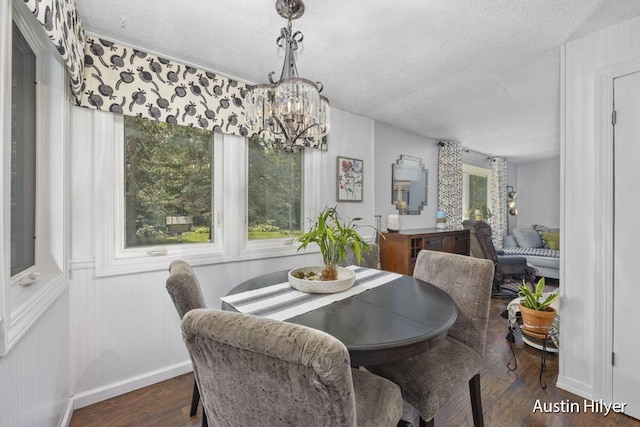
x=205 y=423
x=476 y=401
x=195 y=399
x=429 y=423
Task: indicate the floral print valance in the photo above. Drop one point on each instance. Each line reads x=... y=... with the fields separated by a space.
x=128 y=81
x=64 y=28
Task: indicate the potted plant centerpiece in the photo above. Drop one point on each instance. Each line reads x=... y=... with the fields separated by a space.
x=333 y=236
x=537 y=313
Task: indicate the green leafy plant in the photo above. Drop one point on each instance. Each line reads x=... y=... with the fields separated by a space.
x=333 y=236
x=532 y=300
x=484 y=212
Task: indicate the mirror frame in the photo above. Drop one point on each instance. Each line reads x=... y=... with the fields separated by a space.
x=397 y=166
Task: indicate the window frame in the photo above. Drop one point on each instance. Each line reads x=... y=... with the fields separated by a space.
x=230 y=221
x=21 y=306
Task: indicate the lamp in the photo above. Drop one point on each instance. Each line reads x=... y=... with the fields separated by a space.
x=511 y=203
x=290 y=110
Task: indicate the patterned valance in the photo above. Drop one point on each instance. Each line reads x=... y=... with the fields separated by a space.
x=64 y=28
x=128 y=81
x=450 y=181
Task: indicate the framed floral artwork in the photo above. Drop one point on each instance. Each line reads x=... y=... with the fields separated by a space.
x=349 y=179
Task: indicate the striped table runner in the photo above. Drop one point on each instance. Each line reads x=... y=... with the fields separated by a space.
x=281 y=301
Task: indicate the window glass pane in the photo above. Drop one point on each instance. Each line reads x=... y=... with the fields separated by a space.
x=275 y=191
x=168 y=183
x=23 y=154
x=477 y=191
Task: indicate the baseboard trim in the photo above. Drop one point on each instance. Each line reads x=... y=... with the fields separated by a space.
x=575 y=387
x=108 y=391
x=68 y=412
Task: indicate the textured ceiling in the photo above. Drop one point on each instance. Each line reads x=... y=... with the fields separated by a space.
x=485 y=73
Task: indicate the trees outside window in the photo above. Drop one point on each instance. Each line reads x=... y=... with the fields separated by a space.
x=275 y=190
x=168 y=183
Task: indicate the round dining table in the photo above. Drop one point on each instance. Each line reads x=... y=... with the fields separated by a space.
x=396 y=320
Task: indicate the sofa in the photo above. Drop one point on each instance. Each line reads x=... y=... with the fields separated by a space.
x=539 y=245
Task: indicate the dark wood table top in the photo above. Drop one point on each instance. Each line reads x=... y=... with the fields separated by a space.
x=390 y=322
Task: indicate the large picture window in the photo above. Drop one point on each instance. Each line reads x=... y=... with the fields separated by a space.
x=168 y=183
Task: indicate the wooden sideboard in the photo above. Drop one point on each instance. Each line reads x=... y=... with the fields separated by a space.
x=398 y=251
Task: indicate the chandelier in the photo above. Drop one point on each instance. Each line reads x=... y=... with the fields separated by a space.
x=290 y=110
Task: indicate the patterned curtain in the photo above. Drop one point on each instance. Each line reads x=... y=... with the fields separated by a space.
x=498 y=200
x=450 y=182
x=128 y=81
x=64 y=28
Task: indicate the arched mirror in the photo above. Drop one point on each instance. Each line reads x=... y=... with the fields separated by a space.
x=409 y=185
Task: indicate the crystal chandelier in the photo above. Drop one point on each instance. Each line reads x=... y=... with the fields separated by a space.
x=290 y=110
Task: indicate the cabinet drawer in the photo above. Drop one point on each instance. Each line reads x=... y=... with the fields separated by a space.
x=432 y=243
x=461 y=243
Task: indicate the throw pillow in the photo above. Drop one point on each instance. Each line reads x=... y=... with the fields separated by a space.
x=541 y=229
x=552 y=239
x=527 y=238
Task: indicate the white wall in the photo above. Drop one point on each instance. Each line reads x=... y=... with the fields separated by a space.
x=34 y=375
x=124 y=329
x=538 y=187
x=390 y=143
x=586 y=217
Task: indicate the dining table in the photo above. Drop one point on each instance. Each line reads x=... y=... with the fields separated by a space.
x=392 y=317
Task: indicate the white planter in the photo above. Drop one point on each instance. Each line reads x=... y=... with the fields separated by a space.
x=346 y=279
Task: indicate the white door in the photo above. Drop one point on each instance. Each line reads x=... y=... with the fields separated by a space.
x=626 y=313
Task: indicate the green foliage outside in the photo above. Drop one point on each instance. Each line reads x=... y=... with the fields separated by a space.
x=167 y=173
x=275 y=191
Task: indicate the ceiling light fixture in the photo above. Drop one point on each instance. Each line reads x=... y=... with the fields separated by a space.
x=290 y=109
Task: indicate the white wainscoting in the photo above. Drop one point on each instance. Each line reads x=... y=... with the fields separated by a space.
x=586 y=221
x=34 y=375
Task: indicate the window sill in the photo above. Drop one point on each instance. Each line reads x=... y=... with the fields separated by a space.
x=28 y=304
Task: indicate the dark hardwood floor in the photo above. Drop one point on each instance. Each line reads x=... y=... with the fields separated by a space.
x=508 y=398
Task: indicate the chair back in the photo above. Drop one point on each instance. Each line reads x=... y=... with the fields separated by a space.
x=183 y=287
x=481 y=243
x=367 y=259
x=258 y=371
x=468 y=281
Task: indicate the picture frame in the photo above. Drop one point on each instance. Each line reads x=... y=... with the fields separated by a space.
x=349 y=179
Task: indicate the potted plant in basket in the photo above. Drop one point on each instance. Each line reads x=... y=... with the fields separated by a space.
x=333 y=236
x=537 y=313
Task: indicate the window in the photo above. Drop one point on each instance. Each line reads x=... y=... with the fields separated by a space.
x=242 y=199
x=23 y=154
x=34 y=114
x=275 y=188
x=168 y=183
x=476 y=196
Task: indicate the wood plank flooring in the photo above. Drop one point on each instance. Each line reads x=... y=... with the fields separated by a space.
x=508 y=398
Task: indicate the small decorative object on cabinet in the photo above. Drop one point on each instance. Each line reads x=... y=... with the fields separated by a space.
x=393 y=223
x=398 y=251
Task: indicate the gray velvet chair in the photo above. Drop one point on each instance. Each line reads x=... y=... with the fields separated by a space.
x=185 y=292
x=430 y=379
x=258 y=371
x=368 y=259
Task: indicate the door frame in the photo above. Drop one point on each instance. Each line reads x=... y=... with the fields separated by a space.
x=604 y=262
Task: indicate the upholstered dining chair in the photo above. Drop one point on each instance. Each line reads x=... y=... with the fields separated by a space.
x=185 y=292
x=257 y=371
x=430 y=379
x=367 y=259
x=505 y=265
